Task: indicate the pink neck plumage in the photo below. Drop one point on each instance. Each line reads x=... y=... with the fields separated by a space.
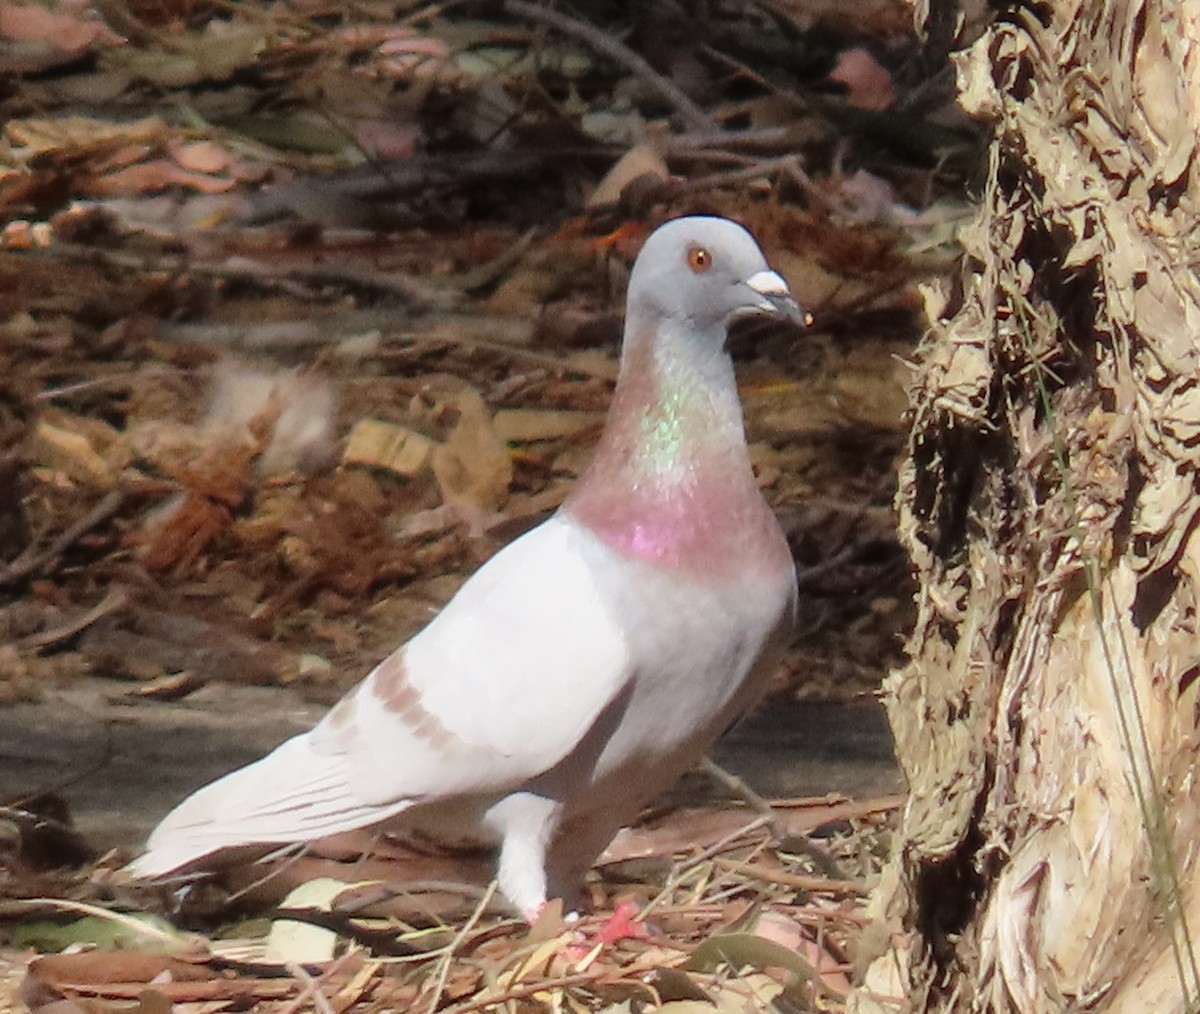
x=671 y=482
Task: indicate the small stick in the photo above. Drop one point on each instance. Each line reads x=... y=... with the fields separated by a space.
x=798 y=881
x=739 y=788
x=764 y=167
x=699 y=143
x=26 y=564
x=770 y=818
x=443 y=975
x=115 y=599
x=618 y=52
x=415 y=290
x=311 y=989
x=527 y=990
x=384 y=892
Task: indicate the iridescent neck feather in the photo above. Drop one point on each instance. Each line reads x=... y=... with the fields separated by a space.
x=671 y=481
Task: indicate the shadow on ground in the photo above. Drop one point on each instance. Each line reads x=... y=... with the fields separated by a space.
x=120 y=766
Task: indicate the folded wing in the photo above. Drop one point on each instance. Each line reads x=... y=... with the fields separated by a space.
x=500 y=687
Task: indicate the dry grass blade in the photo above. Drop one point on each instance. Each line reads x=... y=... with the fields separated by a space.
x=443 y=970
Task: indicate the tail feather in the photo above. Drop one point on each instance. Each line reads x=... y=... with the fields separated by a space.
x=292 y=794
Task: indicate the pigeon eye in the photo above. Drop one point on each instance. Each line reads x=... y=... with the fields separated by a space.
x=699 y=259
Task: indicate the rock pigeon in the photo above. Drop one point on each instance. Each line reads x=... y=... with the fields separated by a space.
x=589 y=663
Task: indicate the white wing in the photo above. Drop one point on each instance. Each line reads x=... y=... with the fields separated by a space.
x=499 y=688
x=292 y=794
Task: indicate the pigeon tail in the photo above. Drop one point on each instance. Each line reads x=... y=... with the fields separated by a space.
x=292 y=794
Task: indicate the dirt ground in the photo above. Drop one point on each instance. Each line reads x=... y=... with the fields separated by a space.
x=306 y=314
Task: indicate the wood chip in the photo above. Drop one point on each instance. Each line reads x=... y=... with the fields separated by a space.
x=385 y=445
x=72 y=454
x=522 y=425
x=473 y=467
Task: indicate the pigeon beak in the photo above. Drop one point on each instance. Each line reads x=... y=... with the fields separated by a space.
x=775 y=298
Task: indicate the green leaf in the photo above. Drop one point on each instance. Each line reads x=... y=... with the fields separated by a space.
x=144 y=932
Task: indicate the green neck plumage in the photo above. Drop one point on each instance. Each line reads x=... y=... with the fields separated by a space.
x=688 y=411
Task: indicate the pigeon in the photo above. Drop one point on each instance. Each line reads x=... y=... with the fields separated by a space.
x=589 y=663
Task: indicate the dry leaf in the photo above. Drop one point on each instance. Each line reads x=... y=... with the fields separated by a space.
x=38 y=135
x=173 y=537
x=31 y=22
x=641 y=162
x=789 y=932
x=215 y=464
x=473 y=467
x=213 y=55
x=386 y=139
x=303 y=942
x=868 y=83
x=171 y=687
x=203 y=157
x=157 y=175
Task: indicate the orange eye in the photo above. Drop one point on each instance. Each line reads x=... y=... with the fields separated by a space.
x=699 y=259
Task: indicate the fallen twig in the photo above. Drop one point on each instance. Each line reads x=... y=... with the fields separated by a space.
x=761 y=168
x=419 y=293
x=799 y=881
x=382 y=942
x=743 y=791
x=114 y=600
x=283 y=334
x=702 y=143
x=461 y=329
x=443 y=974
x=525 y=991
x=619 y=53
x=311 y=990
x=30 y=563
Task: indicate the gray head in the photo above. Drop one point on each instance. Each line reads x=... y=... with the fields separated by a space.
x=706 y=272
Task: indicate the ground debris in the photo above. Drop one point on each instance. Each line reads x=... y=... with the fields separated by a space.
x=725 y=922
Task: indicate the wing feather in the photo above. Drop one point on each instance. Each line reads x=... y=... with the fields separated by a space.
x=503 y=683
x=498 y=688
x=292 y=794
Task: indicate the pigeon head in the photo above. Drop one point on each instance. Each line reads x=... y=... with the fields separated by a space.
x=671 y=480
x=705 y=272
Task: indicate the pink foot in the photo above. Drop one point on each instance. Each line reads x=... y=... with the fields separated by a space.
x=621 y=925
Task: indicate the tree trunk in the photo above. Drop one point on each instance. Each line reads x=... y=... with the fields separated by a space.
x=1047 y=720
